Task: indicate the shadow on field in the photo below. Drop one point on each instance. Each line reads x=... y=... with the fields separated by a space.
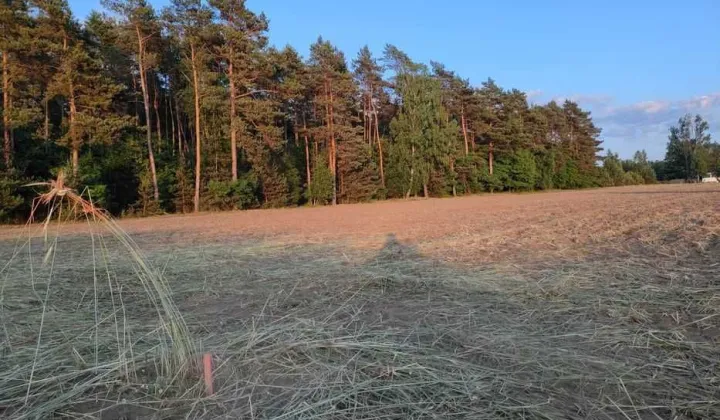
x=324 y=331
x=332 y=331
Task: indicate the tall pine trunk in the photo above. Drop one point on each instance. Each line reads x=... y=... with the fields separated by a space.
x=307 y=152
x=47 y=120
x=146 y=103
x=198 y=150
x=233 y=125
x=412 y=171
x=74 y=141
x=464 y=130
x=169 y=105
x=158 y=127
x=180 y=131
x=491 y=156
x=452 y=171
x=332 y=153
x=7 y=145
x=379 y=145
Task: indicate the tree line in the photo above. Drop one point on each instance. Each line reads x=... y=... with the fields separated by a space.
x=189 y=108
x=691 y=154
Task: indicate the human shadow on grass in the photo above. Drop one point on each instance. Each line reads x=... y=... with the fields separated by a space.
x=404 y=330
x=327 y=332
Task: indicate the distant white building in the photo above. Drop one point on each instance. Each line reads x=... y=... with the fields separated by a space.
x=710 y=178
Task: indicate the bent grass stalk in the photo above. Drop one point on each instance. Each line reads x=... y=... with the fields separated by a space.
x=46 y=377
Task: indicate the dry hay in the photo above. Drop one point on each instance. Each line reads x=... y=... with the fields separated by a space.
x=59 y=351
x=624 y=324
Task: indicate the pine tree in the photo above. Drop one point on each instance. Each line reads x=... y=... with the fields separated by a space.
x=79 y=79
x=488 y=124
x=141 y=26
x=243 y=39
x=18 y=103
x=368 y=74
x=190 y=20
x=333 y=92
x=458 y=99
x=293 y=86
x=581 y=138
x=686 y=143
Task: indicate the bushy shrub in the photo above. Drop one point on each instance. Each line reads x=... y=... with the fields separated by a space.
x=499 y=178
x=522 y=173
x=228 y=195
x=320 y=190
x=470 y=172
x=11 y=199
x=633 y=178
x=545 y=163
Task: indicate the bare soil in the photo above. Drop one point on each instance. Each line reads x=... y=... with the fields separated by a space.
x=513 y=228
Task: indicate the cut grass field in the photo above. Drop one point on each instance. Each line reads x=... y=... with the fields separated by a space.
x=582 y=304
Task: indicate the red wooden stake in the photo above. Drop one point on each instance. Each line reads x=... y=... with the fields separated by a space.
x=208 y=374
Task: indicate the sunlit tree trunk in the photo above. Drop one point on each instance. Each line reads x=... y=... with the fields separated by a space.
x=307 y=152
x=233 y=122
x=412 y=171
x=198 y=150
x=74 y=140
x=491 y=156
x=7 y=144
x=158 y=127
x=464 y=130
x=146 y=103
x=332 y=153
x=379 y=145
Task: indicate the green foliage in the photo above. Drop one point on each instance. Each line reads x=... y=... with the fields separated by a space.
x=633 y=178
x=686 y=156
x=421 y=129
x=167 y=185
x=545 y=163
x=294 y=181
x=661 y=171
x=11 y=198
x=146 y=204
x=230 y=195
x=397 y=178
x=499 y=178
x=320 y=190
x=613 y=173
x=630 y=172
x=470 y=173
x=639 y=165
x=522 y=171
x=183 y=189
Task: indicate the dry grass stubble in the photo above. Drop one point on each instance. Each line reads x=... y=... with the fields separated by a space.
x=622 y=324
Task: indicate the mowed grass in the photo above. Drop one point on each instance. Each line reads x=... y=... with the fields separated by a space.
x=595 y=304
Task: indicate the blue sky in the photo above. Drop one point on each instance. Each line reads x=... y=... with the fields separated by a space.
x=638 y=65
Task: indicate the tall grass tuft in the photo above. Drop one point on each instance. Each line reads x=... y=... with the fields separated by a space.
x=85 y=347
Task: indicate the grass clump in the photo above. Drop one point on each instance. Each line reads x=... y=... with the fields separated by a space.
x=74 y=339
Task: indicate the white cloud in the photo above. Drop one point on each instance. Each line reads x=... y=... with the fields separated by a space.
x=534 y=94
x=645 y=124
x=651 y=107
